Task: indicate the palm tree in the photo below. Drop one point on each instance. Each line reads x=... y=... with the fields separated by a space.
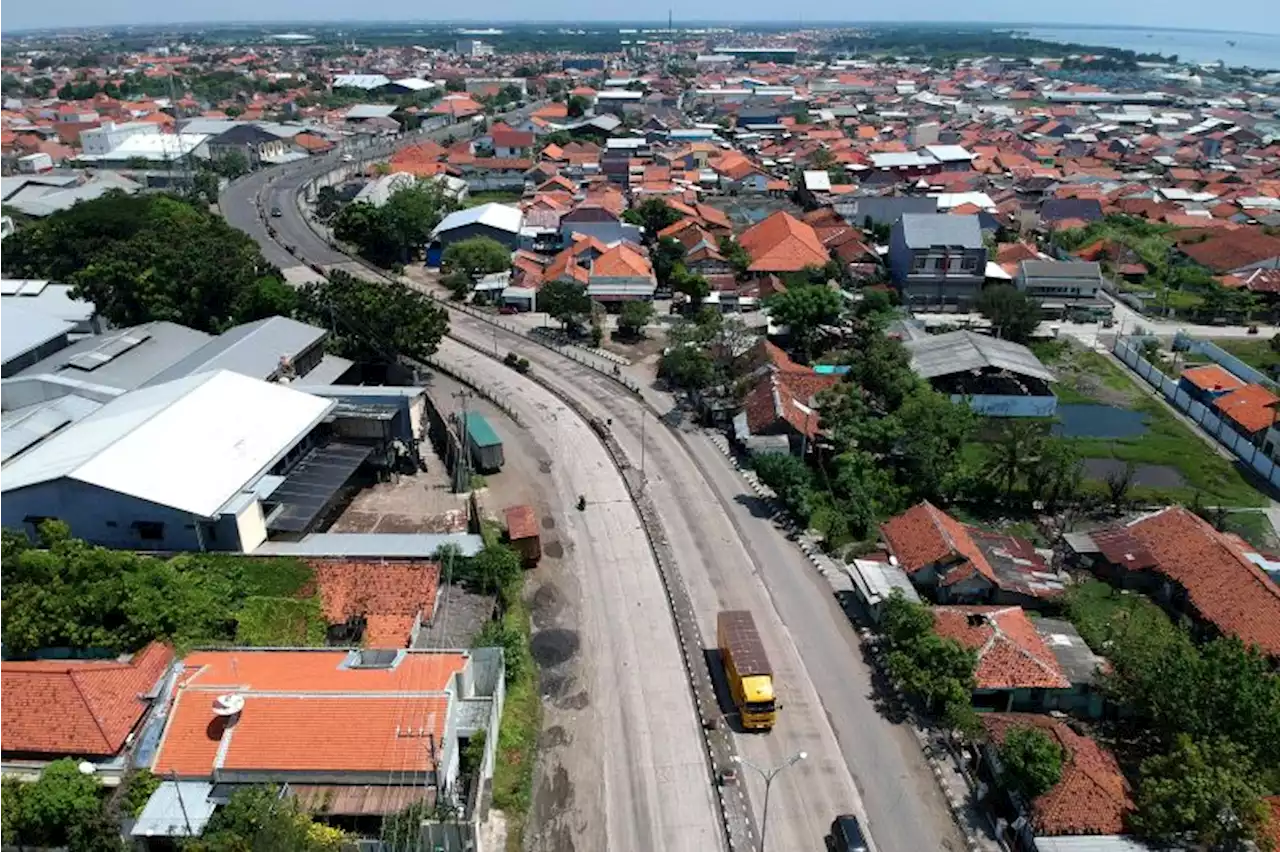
x=1016 y=452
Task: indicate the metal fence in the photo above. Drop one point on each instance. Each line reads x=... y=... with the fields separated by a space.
x=1220 y=428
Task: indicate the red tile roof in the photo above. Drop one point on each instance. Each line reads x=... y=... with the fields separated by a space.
x=78 y=707
x=622 y=261
x=1011 y=654
x=782 y=243
x=1212 y=377
x=1227 y=250
x=522 y=522
x=1224 y=587
x=1252 y=407
x=366 y=720
x=1092 y=796
x=925 y=535
x=389 y=595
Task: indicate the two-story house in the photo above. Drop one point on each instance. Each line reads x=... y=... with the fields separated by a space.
x=937 y=259
x=250 y=140
x=1049 y=280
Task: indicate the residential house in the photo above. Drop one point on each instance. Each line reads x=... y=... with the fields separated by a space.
x=1017 y=670
x=249 y=140
x=1235 y=252
x=953 y=562
x=782 y=243
x=505 y=142
x=1190 y=569
x=737 y=173
x=393 y=724
x=621 y=273
x=781 y=403
x=1065 y=283
x=1208 y=382
x=1091 y=800
x=87 y=709
x=376 y=604
x=937 y=260
x=1250 y=410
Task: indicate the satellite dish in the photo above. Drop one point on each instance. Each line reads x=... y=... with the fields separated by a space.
x=228 y=705
x=87 y=768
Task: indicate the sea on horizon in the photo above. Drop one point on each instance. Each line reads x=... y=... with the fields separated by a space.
x=1255 y=50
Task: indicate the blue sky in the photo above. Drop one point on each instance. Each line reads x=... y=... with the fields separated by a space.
x=1241 y=15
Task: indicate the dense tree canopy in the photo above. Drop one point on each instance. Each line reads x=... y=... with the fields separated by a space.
x=476 y=257
x=1031 y=761
x=937 y=670
x=260 y=818
x=63 y=808
x=565 y=301
x=397 y=231
x=805 y=311
x=653 y=214
x=373 y=322
x=141 y=258
x=1012 y=314
x=635 y=315
x=69 y=594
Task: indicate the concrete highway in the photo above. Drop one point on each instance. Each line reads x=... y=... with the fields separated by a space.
x=638 y=757
x=730 y=555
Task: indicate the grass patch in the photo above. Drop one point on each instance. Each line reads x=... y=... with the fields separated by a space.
x=1168 y=442
x=495 y=196
x=281 y=622
x=1253 y=527
x=273 y=577
x=1254 y=352
x=521 y=719
x=1099 y=611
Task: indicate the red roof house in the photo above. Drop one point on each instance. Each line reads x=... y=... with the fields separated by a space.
x=782 y=243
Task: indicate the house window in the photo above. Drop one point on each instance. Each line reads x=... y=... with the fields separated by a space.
x=919 y=263
x=149 y=530
x=969 y=264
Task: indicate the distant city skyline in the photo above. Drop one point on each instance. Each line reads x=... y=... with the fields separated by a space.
x=1256 y=16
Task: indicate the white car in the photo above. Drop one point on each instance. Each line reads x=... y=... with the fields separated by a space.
x=347 y=158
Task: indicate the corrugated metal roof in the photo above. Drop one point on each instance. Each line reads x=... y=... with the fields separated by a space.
x=190 y=444
x=500 y=216
x=252 y=349
x=165 y=343
x=926 y=230
x=373 y=545
x=960 y=351
x=23 y=329
x=176 y=809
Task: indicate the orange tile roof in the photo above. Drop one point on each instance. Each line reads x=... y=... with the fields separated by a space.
x=390 y=595
x=782 y=243
x=78 y=707
x=1252 y=407
x=1011 y=654
x=1212 y=377
x=368 y=720
x=1092 y=796
x=522 y=522
x=1224 y=587
x=622 y=261
x=925 y=535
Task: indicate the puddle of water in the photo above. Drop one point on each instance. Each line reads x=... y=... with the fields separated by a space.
x=1086 y=420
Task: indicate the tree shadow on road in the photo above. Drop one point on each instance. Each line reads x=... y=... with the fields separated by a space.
x=882 y=694
x=758 y=506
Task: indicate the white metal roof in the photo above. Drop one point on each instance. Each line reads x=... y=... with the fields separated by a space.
x=949 y=153
x=360 y=81
x=415 y=83
x=817 y=181
x=24 y=329
x=190 y=444
x=501 y=216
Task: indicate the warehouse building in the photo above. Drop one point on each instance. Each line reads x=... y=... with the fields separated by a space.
x=998 y=378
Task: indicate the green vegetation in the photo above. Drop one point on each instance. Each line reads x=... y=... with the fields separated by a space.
x=1090 y=377
x=935 y=670
x=1031 y=761
x=467 y=261
x=1263 y=355
x=652 y=214
x=399 y=230
x=261 y=818
x=491 y=196
x=633 y=318
x=565 y=301
x=806 y=311
x=372 y=322
x=522 y=711
x=65 y=593
x=64 y=807
x=1012 y=314
x=1203 y=719
x=144 y=257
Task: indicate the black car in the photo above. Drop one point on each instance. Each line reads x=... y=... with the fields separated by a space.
x=846 y=835
x=276 y=213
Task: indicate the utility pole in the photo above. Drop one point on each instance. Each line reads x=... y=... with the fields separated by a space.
x=462 y=471
x=643 y=421
x=768 y=776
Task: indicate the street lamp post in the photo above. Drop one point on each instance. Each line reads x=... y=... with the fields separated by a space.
x=768 y=776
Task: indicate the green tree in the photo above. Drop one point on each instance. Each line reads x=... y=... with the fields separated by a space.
x=494 y=569
x=1207 y=791
x=260 y=818
x=654 y=215
x=687 y=367
x=1031 y=761
x=806 y=311
x=565 y=301
x=938 y=671
x=635 y=315
x=668 y=256
x=577 y=106
x=1012 y=314
x=477 y=257
x=691 y=284
x=373 y=322
x=1016 y=452
x=790 y=478
x=63 y=807
x=1058 y=474
x=143 y=258
x=232 y=164
x=932 y=432
x=396 y=231
x=737 y=256
x=328 y=203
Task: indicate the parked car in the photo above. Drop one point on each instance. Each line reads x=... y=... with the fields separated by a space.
x=508 y=309
x=846 y=835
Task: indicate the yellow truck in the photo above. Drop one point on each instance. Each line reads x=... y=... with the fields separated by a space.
x=746 y=666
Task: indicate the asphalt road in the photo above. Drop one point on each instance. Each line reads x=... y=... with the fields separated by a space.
x=644 y=764
x=730 y=555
